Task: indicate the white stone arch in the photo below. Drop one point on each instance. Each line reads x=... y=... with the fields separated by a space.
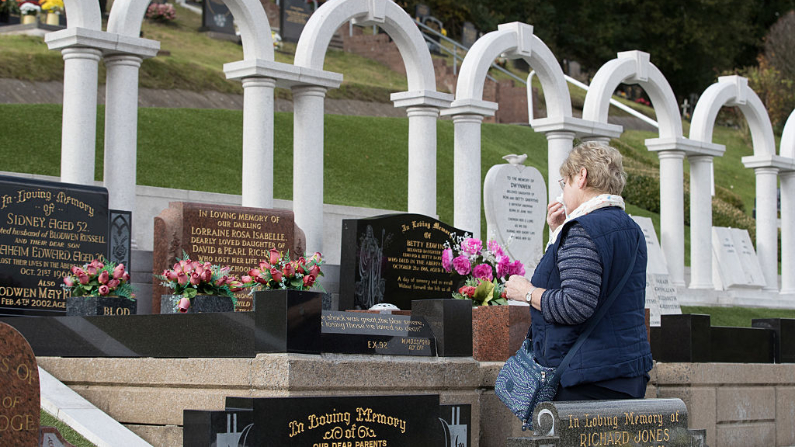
x=634 y=67
x=787 y=178
x=734 y=91
x=83 y=14
x=421 y=100
x=513 y=40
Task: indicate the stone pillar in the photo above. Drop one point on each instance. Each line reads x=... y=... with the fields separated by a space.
x=559 y=145
x=121 y=129
x=308 y=140
x=766 y=224
x=700 y=222
x=672 y=214
x=467 y=173
x=422 y=160
x=787 y=231
x=79 y=126
x=258 y=144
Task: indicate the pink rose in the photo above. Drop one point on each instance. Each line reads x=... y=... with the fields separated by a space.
x=76 y=270
x=263 y=265
x=317 y=257
x=184 y=305
x=462 y=265
x=195 y=279
x=235 y=286
x=182 y=278
x=68 y=281
x=171 y=275
x=113 y=283
x=126 y=277
x=503 y=266
x=517 y=268
x=308 y=281
x=483 y=271
x=246 y=279
x=207 y=275
x=118 y=272
x=83 y=279
x=220 y=281
x=104 y=289
x=103 y=277
x=471 y=246
x=314 y=271
x=289 y=270
x=495 y=248
x=447 y=259
x=274 y=256
x=467 y=291
x=277 y=275
x=91 y=270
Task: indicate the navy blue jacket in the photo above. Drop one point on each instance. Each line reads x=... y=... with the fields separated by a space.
x=618 y=345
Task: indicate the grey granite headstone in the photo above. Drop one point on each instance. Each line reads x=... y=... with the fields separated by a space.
x=515 y=201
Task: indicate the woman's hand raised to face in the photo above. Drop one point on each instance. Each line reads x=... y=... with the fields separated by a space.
x=556 y=215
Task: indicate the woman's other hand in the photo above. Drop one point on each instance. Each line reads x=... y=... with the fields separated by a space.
x=556 y=215
x=517 y=287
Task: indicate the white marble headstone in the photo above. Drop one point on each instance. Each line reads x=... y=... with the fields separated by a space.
x=515 y=201
x=734 y=260
x=660 y=293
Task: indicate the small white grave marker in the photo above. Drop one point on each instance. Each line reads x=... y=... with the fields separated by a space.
x=734 y=260
x=660 y=293
x=515 y=201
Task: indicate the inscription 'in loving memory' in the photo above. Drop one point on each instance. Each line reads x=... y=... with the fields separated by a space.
x=620 y=430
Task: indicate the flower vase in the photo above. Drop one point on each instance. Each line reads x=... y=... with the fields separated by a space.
x=99 y=305
x=53 y=18
x=498 y=331
x=169 y=304
x=28 y=19
x=288 y=321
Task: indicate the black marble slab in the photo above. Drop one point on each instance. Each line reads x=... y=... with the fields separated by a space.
x=47 y=227
x=326 y=421
x=741 y=345
x=784 y=330
x=451 y=322
x=375 y=333
x=395 y=258
x=100 y=305
x=230 y=428
x=293 y=15
x=288 y=321
x=216 y=17
x=686 y=338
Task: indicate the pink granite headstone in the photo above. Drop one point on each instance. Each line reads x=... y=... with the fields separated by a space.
x=20 y=403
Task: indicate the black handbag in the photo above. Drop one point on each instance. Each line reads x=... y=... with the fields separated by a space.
x=522 y=383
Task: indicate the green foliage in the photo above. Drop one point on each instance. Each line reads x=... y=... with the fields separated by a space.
x=774 y=89
x=68 y=433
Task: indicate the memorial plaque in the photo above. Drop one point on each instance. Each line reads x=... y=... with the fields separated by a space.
x=393 y=259
x=457 y=424
x=120 y=238
x=228 y=428
x=748 y=260
x=728 y=269
x=47 y=227
x=660 y=292
x=370 y=333
x=469 y=34
x=515 y=202
x=20 y=405
x=293 y=17
x=350 y=421
x=221 y=234
x=217 y=17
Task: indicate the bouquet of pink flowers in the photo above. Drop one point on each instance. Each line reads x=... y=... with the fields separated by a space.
x=485 y=269
x=99 y=278
x=161 y=12
x=279 y=272
x=190 y=278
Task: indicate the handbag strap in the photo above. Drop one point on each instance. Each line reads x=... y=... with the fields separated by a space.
x=598 y=316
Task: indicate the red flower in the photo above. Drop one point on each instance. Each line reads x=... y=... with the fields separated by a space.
x=277 y=275
x=308 y=280
x=103 y=277
x=274 y=256
x=289 y=270
x=314 y=271
x=184 y=305
x=68 y=281
x=104 y=290
x=118 y=272
x=468 y=291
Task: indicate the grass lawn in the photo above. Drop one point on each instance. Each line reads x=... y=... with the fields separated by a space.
x=737 y=316
x=66 y=431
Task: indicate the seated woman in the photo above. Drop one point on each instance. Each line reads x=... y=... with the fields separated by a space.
x=591 y=248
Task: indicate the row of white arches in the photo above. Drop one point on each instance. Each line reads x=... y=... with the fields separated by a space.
x=83 y=43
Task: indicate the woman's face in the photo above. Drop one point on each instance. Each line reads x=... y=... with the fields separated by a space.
x=574 y=191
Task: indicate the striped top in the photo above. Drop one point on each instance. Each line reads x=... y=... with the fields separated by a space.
x=581 y=280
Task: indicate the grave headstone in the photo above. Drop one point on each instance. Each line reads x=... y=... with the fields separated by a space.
x=120 y=238
x=515 y=202
x=47 y=227
x=217 y=17
x=370 y=333
x=20 y=405
x=327 y=421
x=661 y=296
x=393 y=259
x=236 y=236
x=457 y=423
x=734 y=261
x=646 y=422
x=293 y=17
x=227 y=428
x=469 y=34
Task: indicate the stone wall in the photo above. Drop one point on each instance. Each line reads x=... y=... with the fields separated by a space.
x=740 y=405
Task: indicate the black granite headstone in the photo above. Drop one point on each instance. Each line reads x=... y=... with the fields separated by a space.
x=687 y=338
x=741 y=345
x=120 y=238
x=451 y=322
x=217 y=17
x=372 y=333
x=784 y=329
x=229 y=428
x=469 y=34
x=457 y=425
x=293 y=16
x=393 y=259
x=349 y=421
x=288 y=321
x=46 y=228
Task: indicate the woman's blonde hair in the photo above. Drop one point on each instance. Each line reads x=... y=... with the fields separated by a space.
x=603 y=163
